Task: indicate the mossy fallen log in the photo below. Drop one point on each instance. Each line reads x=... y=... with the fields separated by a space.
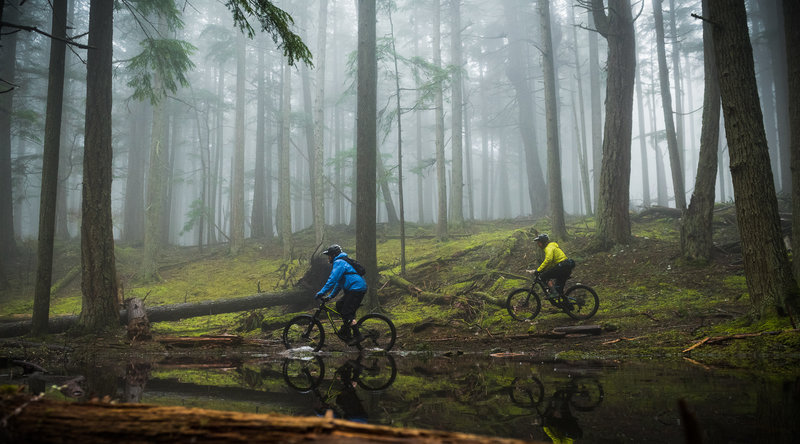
x=36 y=419
x=297 y=299
x=439 y=298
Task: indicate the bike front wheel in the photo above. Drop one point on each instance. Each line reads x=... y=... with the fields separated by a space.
x=523 y=304
x=377 y=332
x=581 y=302
x=304 y=331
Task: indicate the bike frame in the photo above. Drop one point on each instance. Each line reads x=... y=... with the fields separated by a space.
x=323 y=306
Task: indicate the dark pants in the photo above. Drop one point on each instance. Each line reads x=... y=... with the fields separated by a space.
x=347 y=307
x=560 y=272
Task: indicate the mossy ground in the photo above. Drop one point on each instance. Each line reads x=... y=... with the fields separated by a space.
x=652 y=303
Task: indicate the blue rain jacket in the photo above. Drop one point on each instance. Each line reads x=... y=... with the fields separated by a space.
x=343 y=276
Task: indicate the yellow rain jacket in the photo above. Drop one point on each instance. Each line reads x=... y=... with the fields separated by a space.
x=552 y=256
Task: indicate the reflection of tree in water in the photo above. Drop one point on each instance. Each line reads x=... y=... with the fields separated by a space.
x=555 y=411
x=339 y=397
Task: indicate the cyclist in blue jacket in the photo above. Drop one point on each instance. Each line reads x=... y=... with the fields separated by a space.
x=343 y=277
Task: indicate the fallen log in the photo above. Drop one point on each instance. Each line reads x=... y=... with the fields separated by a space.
x=298 y=299
x=41 y=420
x=439 y=298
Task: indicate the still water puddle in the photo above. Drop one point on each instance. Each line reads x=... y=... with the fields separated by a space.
x=506 y=396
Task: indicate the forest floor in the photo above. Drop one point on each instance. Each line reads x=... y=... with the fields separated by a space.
x=653 y=304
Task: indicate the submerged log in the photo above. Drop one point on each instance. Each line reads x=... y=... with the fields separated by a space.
x=41 y=420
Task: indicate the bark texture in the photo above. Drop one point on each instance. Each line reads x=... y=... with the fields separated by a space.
x=99 y=304
x=613 y=224
x=696 y=229
x=769 y=278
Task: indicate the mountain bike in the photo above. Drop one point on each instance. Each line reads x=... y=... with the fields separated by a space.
x=372 y=373
x=579 y=301
x=373 y=331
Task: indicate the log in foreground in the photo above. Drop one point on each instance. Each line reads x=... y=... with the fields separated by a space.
x=27 y=419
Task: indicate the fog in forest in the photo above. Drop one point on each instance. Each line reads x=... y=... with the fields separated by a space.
x=489 y=65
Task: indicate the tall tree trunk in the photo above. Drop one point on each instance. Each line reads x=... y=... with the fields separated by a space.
x=680 y=134
x=99 y=304
x=642 y=140
x=258 y=215
x=597 y=111
x=366 y=146
x=696 y=228
x=777 y=47
x=791 y=16
x=614 y=224
x=766 y=264
x=441 y=174
x=284 y=182
x=318 y=196
x=556 y=197
x=133 y=212
x=399 y=151
x=52 y=141
x=517 y=73
x=580 y=130
x=237 y=179
x=8 y=54
x=65 y=151
x=156 y=180
x=666 y=101
x=457 y=178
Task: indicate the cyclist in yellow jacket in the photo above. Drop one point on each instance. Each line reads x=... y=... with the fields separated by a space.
x=556 y=265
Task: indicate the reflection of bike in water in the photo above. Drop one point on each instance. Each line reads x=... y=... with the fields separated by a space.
x=580 y=393
x=372 y=373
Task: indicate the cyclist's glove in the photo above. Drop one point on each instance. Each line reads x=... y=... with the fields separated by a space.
x=317 y=296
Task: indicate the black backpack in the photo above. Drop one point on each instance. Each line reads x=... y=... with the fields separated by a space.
x=360 y=270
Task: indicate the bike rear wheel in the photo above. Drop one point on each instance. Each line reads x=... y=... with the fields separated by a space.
x=304 y=331
x=523 y=304
x=377 y=332
x=581 y=302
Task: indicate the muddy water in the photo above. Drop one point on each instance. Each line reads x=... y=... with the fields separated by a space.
x=506 y=396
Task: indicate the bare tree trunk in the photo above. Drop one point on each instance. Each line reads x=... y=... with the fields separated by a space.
x=642 y=140
x=52 y=141
x=441 y=175
x=318 y=196
x=696 y=228
x=551 y=116
x=457 y=177
x=597 y=112
x=614 y=226
x=366 y=146
x=766 y=264
x=99 y=304
x=258 y=215
x=791 y=16
x=666 y=101
x=237 y=179
x=580 y=130
x=8 y=53
x=517 y=73
x=284 y=192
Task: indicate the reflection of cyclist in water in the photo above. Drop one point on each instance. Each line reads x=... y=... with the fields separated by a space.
x=346 y=404
x=348 y=401
x=558 y=422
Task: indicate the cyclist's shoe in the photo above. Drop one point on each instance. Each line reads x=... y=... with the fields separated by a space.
x=355 y=340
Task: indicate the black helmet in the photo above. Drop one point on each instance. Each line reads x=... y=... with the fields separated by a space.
x=333 y=251
x=542 y=238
